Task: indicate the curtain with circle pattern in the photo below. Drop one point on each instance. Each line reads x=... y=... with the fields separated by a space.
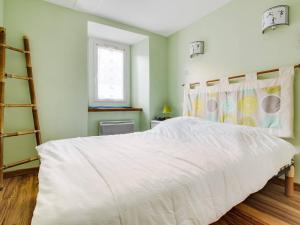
x=265 y=103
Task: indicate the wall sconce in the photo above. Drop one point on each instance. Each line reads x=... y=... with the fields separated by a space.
x=196 y=48
x=277 y=15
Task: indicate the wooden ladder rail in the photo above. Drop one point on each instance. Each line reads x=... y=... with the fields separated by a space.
x=19 y=133
x=14 y=76
x=2 y=88
x=32 y=90
x=29 y=78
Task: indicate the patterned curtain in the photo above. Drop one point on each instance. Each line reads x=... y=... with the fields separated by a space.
x=267 y=103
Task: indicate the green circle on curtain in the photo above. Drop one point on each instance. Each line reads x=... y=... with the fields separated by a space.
x=248 y=92
x=213 y=117
x=228 y=105
x=271 y=122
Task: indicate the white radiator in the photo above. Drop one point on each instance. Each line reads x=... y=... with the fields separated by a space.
x=116 y=127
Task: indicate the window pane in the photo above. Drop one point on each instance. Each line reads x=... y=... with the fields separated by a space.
x=110 y=74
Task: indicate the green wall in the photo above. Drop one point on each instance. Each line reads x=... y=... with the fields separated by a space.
x=1 y=12
x=234 y=44
x=158 y=76
x=140 y=82
x=59 y=56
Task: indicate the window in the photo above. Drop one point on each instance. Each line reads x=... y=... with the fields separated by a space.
x=109 y=73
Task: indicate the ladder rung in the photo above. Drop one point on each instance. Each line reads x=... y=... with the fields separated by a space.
x=19 y=133
x=13 y=76
x=18 y=105
x=14 y=49
x=20 y=162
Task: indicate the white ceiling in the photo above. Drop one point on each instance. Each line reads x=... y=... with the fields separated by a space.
x=159 y=16
x=113 y=34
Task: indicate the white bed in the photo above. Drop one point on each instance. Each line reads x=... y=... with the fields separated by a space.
x=185 y=171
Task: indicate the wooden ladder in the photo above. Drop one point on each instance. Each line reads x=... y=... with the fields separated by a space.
x=3 y=105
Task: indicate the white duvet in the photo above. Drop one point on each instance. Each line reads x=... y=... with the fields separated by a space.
x=185 y=171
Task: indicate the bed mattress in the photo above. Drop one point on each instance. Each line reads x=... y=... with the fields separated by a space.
x=185 y=171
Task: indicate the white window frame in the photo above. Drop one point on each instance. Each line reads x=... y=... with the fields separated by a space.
x=93 y=69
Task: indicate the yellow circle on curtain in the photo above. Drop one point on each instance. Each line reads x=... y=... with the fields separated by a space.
x=213 y=94
x=198 y=106
x=248 y=121
x=248 y=105
x=229 y=118
x=273 y=90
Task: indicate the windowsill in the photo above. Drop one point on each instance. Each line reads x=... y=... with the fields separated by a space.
x=115 y=109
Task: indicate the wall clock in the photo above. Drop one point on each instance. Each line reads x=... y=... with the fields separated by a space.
x=277 y=15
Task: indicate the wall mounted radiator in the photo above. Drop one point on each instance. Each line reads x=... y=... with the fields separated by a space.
x=116 y=127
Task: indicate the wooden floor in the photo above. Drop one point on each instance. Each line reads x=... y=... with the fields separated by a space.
x=269 y=206
x=17 y=200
